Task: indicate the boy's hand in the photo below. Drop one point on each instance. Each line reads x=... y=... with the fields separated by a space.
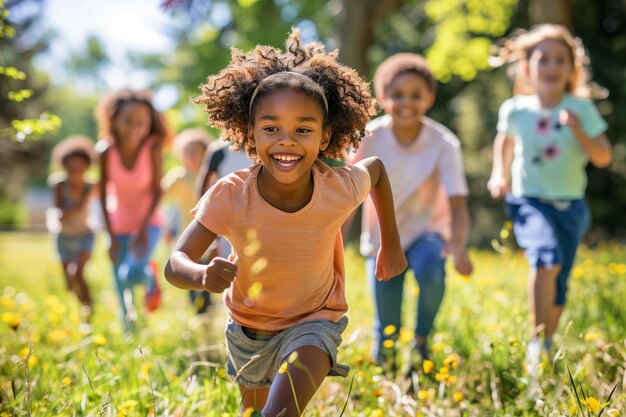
x=218 y=275
x=390 y=263
x=462 y=262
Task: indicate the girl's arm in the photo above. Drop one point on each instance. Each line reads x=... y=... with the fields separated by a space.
x=457 y=246
x=184 y=271
x=391 y=260
x=597 y=149
x=500 y=180
x=156 y=190
x=104 y=178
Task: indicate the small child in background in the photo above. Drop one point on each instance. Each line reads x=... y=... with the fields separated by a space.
x=180 y=196
x=547 y=133
x=133 y=134
x=70 y=219
x=426 y=173
x=284 y=278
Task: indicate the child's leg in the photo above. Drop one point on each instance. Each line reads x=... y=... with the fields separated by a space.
x=570 y=225
x=82 y=289
x=388 y=304
x=292 y=390
x=541 y=295
x=120 y=273
x=425 y=260
x=253 y=397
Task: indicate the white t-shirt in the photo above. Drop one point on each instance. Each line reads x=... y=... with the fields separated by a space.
x=423 y=176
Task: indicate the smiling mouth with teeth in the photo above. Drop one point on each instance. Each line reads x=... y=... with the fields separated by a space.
x=286 y=160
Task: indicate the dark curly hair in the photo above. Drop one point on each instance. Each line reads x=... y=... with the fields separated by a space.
x=108 y=109
x=226 y=96
x=402 y=63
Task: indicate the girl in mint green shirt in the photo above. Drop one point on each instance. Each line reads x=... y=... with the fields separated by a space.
x=547 y=132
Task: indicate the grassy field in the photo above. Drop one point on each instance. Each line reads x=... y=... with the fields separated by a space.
x=53 y=364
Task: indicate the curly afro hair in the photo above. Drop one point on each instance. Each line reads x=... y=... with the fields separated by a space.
x=227 y=95
x=109 y=108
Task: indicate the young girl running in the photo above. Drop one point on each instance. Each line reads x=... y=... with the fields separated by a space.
x=133 y=134
x=546 y=134
x=72 y=198
x=284 y=278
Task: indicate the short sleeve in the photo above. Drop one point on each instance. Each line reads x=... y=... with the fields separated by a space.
x=504 y=116
x=592 y=122
x=451 y=170
x=215 y=210
x=358 y=181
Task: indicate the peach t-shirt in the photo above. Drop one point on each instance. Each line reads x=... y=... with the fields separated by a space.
x=423 y=175
x=290 y=265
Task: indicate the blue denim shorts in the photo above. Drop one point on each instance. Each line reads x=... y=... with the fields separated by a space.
x=71 y=247
x=549 y=232
x=270 y=353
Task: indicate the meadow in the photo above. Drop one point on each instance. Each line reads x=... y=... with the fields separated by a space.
x=52 y=363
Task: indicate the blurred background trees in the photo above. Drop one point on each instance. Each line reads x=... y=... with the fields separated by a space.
x=454 y=35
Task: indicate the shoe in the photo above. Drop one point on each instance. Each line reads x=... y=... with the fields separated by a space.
x=153 y=293
x=533 y=356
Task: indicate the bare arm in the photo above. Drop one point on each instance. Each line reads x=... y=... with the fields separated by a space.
x=102 y=190
x=184 y=271
x=598 y=149
x=500 y=180
x=391 y=260
x=457 y=246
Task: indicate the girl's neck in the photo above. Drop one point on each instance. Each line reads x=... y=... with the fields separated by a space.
x=550 y=101
x=406 y=135
x=289 y=198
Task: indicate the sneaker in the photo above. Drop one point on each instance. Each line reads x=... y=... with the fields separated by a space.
x=533 y=356
x=153 y=293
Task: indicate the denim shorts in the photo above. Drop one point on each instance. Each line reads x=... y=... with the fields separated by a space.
x=549 y=232
x=71 y=247
x=270 y=353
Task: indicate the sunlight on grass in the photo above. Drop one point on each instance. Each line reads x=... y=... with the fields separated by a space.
x=52 y=363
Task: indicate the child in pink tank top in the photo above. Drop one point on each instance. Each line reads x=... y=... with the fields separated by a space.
x=133 y=134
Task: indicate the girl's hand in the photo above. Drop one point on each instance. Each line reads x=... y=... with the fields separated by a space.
x=113 y=249
x=140 y=244
x=462 y=262
x=390 y=263
x=218 y=275
x=498 y=186
x=569 y=118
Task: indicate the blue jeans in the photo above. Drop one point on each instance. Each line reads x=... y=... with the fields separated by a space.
x=424 y=258
x=549 y=235
x=130 y=270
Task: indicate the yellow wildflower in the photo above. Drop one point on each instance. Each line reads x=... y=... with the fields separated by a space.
x=591 y=336
x=422 y=394
x=377 y=392
x=99 y=340
x=283 y=368
x=458 y=397
x=415 y=291
x=389 y=330
x=406 y=336
x=437 y=347
x=592 y=404
x=388 y=344
x=66 y=380
x=377 y=413
x=612 y=412
x=451 y=361
x=428 y=366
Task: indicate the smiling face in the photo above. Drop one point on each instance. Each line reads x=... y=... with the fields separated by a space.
x=407 y=98
x=288 y=134
x=550 y=68
x=132 y=124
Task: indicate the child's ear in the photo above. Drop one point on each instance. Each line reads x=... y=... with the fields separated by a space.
x=325 y=138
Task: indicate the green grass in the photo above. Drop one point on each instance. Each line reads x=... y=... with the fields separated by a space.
x=174 y=364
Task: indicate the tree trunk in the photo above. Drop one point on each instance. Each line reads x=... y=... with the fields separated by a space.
x=356 y=27
x=551 y=11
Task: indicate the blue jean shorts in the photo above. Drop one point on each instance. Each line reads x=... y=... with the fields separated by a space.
x=254 y=363
x=71 y=247
x=549 y=232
